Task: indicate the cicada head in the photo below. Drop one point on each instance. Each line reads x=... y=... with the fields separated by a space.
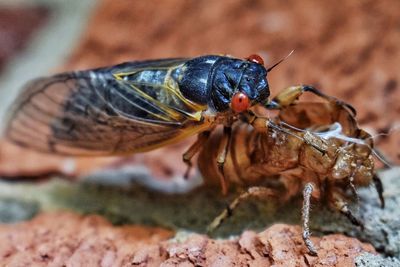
x=224 y=83
x=238 y=85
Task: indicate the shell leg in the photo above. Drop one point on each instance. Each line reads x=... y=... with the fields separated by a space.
x=305 y=215
x=255 y=191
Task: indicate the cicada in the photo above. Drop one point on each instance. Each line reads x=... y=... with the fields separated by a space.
x=135 y=106
x=143 y=105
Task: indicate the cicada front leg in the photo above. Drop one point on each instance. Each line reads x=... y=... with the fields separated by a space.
x=289 y=95
x=223 y=148
x=193 y=150
x=222 y=153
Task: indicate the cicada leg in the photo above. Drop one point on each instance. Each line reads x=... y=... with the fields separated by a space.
x=223 y=151
x=305 y=215
x=255 y=191
x=193 y=149
x=289 y=95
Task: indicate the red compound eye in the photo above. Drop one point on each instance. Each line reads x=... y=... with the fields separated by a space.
x=240 y=102
x=256 y=59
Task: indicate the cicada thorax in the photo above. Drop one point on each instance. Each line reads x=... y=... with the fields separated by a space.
x=215 y=80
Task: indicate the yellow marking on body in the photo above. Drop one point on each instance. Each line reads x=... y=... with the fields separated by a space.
x=120 y=74
x=170 y=112
x=175 y=115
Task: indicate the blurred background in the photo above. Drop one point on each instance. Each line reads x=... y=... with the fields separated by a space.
x=348 y=49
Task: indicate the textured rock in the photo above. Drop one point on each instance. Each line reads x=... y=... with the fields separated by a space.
x=66 y=239
x=119 y=201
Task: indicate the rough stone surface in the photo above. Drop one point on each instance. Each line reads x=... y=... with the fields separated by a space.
x=65 y=239
x=123 y=203
x=56 y=239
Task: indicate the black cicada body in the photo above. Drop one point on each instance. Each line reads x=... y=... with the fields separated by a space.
x=134 y=106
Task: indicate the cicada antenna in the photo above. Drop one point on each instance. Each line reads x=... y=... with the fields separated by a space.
x=280 y=61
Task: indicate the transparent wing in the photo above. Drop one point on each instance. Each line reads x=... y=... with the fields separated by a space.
x=96 y=113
